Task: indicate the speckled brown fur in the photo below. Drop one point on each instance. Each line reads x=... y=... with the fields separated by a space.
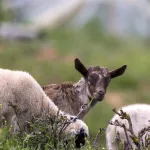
x=64 y=96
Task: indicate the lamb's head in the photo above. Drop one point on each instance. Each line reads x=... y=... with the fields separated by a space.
x=97 y=79
x=79 y=130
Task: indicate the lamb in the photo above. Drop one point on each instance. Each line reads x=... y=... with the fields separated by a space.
x=139 y=114
x=91 y=89
x=21 y=90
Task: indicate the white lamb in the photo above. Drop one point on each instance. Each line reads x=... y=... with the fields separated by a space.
x=21 y=90
x=139 y=114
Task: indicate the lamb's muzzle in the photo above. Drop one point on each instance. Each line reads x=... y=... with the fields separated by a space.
x=99 y=96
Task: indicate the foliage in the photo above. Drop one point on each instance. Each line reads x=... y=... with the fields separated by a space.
x=44 y=133
x=4 y=14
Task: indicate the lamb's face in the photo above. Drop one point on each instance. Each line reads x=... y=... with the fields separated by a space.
x=97 y=82
x=97 y=79
x=79 y=130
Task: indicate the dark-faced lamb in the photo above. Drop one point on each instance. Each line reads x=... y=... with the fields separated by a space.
x=140 y=116
x=91 y=88
x=19 y=89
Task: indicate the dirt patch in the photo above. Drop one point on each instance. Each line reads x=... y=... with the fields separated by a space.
x=52 y=54
x=47 y=54
x=69 y=59
x=2 y=47
x=115 y=99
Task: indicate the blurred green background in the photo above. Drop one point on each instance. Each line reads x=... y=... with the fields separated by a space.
x=50 y=59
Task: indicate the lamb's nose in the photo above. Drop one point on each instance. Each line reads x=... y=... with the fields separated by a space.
x=101 y=92
x=80 y=138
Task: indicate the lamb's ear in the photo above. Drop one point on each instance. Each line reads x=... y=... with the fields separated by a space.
x=118 y=72
x=81 y=68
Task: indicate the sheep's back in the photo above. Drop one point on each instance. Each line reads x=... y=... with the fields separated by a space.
x=139 y=114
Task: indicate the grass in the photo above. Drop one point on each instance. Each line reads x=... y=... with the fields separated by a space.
x=50 y=60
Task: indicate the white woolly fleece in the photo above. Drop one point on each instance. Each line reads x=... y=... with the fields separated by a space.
x=139 y=114
x=20 y=89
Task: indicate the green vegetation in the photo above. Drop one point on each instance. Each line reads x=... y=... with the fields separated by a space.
x=49 y=59
x=44 y=133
